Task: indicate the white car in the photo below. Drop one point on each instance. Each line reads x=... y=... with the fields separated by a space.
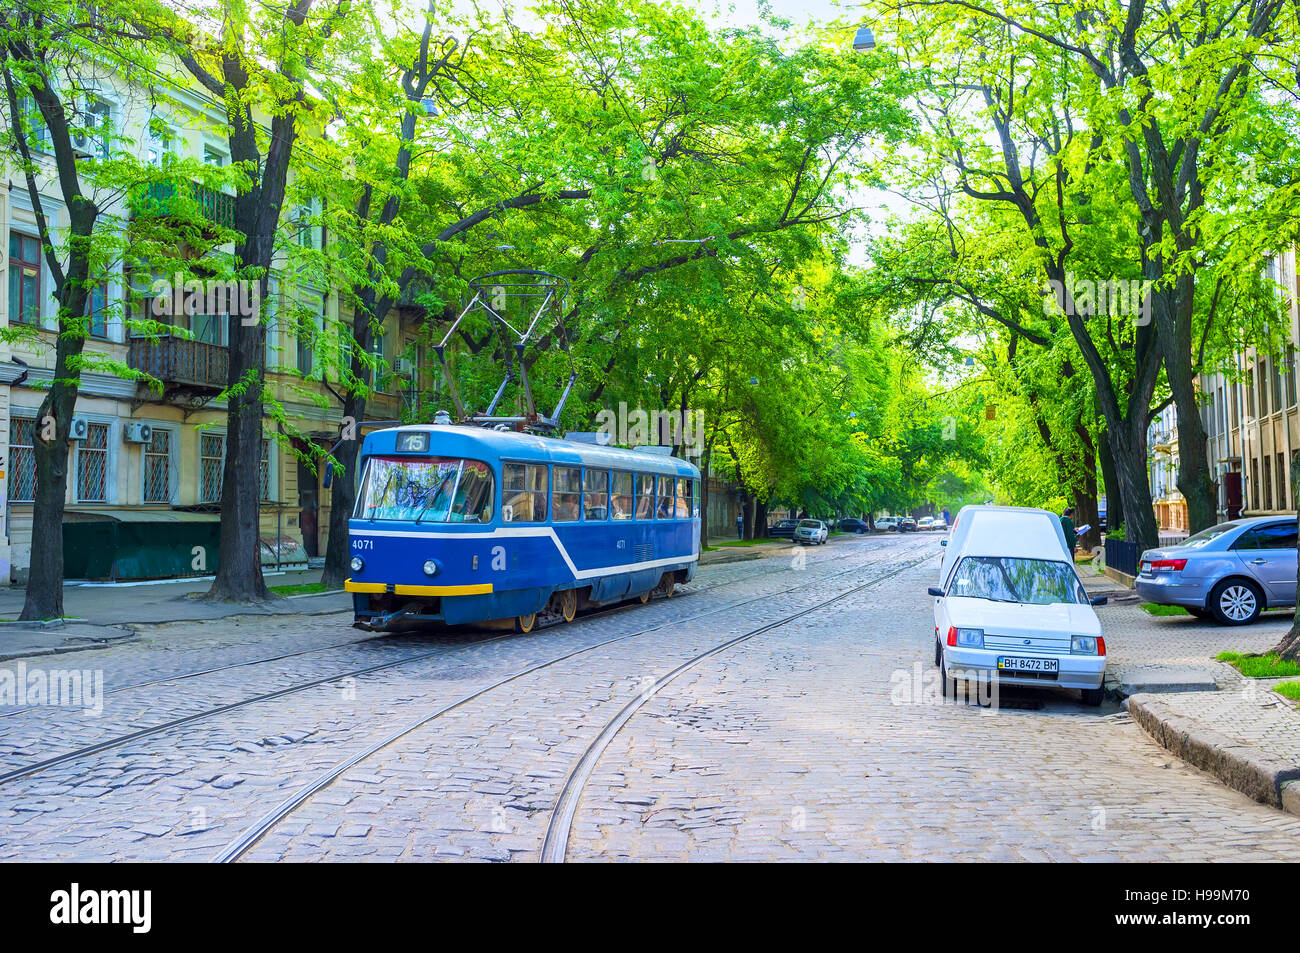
x=886 y=523
x=1010 y=607
x=925 y=522
x=811 y=532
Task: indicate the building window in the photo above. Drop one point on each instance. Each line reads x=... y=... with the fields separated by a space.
x=92 y=465
x=212 y=452
x=158 y=468
x=96 y=138
x=210 y=328
x=97 y=311
x=22 y=459
x=160 y=147
x=24 y=279
x=1268 y=485
x=1261 y=376
x=1290 y=377
x=310 y=329
x=1275 y=386
x=213 y=156
x=1281 y=483
x=264 y=471
x=1250 y=393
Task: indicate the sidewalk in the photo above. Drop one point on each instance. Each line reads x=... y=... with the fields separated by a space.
x=99 y=614
x=1204 y=710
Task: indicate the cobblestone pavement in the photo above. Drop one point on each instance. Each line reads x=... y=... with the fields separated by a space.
x=810 y=740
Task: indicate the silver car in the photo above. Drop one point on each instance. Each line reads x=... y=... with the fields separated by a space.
x=810 y=532
x=1232 y=571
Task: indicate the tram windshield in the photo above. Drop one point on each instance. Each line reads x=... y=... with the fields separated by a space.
x=426 y=490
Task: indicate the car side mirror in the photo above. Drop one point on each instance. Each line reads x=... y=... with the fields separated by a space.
x=1099 y=600
x=935 y=591
x=943 y=542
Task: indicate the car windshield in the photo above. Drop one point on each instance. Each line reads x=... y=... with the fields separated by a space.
x=1207 y=535
x=810 y=524
x=1006 y=579
x=426 y=490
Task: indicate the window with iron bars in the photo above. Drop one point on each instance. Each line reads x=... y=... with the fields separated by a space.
x=158 y=468
x=212 y=452
x=22 y=459
x=212 y=457
x=92 y=465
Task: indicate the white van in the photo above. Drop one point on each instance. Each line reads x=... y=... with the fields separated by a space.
x=1010 y=607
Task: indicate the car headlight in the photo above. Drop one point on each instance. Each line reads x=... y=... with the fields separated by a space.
x=970 y=638
x=1083 y=645
x=430 y=567
x=357 y=564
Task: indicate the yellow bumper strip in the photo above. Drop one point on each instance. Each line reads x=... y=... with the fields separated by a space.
x=478 y=589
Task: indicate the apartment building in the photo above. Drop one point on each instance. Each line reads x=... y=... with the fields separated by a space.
x=1252 y=419
x=145 y=468
x=1162 y=473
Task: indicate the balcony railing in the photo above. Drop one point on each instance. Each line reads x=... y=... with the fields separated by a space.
x=178 y=361
x=160 y=198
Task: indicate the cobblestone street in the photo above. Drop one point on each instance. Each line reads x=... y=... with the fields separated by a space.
x=708 y=726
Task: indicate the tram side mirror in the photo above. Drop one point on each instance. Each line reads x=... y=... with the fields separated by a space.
x=943 y=542
x=935 y=591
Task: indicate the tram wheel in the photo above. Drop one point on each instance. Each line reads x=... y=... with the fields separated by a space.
x=644 y=598
x=667 y=587
x=525 y=623
x=568 y=604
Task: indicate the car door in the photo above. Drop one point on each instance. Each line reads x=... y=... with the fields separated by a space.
x=1268 y=552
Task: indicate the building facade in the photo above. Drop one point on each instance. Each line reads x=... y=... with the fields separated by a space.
x=145 y=467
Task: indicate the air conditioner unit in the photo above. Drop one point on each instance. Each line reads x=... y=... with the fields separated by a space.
x=138 y=432
x=78 y=429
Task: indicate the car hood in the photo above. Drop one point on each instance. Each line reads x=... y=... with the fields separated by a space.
x=1050 y=623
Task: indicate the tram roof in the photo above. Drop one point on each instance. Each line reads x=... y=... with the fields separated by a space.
x=474 y=442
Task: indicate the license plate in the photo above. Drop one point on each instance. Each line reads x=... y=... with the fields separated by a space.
x=1013 y=664
x=1146 y=567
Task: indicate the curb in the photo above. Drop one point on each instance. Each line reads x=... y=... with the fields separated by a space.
x=64 y=649
x=1240 y=766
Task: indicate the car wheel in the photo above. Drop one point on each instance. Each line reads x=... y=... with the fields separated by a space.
x=1092 y=696
x=938 y=653
x=1236 y=602
x=949 y=684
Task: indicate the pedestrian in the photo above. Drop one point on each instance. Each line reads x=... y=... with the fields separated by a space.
x=1067 y=524
x=947 y=518
x=740 y=525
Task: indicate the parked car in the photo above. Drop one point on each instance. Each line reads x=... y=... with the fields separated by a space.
x=783 y=529
x=1231 y=572
x=906 y=524
x=1009 y=606
x=888 y=523
x=925 y=522
x=811 y=532
x=851 y=525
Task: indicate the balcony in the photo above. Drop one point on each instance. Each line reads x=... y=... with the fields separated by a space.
x=160 y=199
x=181 y=365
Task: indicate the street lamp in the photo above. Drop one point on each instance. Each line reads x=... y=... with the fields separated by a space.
x=864 y=39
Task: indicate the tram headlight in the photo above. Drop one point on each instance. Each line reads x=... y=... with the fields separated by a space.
x=430 y=567
x=357 y=564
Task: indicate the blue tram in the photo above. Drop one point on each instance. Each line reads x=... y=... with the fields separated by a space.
x=461 y=524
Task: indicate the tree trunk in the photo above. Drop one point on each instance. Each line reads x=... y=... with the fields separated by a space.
x=760 y=519
x=343 y=497
x=1172 y=309
x=1114 y=503
x=44 y=596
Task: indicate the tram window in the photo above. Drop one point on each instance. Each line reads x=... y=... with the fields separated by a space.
x=622 y=498
x=523 y=493
x=566 y=495
x=428 y=490
x=683 y=498
x=645 y=496
x=666 y=508
x=595 y=494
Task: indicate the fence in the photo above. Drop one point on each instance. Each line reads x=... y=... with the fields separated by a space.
x=1121 y=555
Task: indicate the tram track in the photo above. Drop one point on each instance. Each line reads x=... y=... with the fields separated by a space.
x=28 y=770
x=555 y=845
x=256 y=832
